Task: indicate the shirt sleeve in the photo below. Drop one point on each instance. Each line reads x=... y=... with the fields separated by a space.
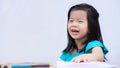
x=62 y=57
x=96 y=43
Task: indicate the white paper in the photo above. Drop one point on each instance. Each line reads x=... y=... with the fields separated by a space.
x=62 y=64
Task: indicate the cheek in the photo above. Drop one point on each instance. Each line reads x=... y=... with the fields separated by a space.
x=84 y=29
x=68 y=27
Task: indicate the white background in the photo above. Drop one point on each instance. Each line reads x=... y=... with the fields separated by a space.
x=35 y=30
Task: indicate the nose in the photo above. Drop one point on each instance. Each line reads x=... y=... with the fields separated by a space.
x=75 y=24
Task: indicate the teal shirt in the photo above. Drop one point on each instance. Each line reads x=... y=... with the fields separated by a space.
x=68 y=56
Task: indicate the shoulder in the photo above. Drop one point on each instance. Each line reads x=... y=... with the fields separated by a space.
x=96 y=43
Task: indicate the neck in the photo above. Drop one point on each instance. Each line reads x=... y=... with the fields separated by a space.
x=80 y=43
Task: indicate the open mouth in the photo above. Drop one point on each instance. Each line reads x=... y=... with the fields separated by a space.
x=75 y=31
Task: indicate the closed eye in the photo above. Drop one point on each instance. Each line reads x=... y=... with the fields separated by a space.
x=80 y=21
x=71 y=20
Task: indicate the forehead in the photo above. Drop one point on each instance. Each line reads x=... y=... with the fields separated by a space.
x=80 y=14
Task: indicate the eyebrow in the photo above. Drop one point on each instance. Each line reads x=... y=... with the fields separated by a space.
x=77 y=19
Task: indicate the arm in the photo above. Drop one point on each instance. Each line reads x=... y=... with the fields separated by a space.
x=95 y=55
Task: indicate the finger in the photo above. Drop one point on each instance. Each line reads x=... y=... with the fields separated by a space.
x=81 y=60
x=76 y=60
x=85 y=60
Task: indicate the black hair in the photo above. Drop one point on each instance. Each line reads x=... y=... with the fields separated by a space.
x=93 y=26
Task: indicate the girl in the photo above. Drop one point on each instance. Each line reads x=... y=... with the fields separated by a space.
x=85 y=41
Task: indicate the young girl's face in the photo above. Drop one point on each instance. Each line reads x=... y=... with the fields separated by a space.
x=78 y=24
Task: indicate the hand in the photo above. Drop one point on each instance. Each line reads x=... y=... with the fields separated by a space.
x=83 y=58
x=78 y=60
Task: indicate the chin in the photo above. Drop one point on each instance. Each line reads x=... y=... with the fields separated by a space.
x=75 y=37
